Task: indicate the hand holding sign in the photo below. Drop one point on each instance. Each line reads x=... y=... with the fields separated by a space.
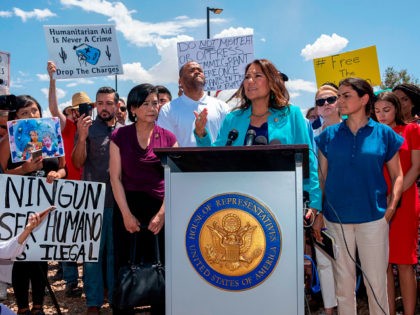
x=33 y=221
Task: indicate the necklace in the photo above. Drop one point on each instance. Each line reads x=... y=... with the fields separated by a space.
x=260 y=115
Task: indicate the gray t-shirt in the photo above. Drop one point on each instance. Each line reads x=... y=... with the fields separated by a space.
x=96 y=167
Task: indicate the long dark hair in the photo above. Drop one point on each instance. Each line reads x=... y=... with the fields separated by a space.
x=393 y=99
x=23 y=101
x=137 y=96
x=279 y=96
x=413 y=93
x=362 y=87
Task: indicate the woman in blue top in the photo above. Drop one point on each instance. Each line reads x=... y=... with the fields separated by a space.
x=356 y=207
x=265 y=108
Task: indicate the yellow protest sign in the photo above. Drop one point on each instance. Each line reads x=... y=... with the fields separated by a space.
x=362 y=63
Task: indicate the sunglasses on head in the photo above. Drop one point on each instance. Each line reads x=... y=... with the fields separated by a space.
x=330 y=100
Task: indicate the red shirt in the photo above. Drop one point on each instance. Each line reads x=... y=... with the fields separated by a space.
x=68 y=134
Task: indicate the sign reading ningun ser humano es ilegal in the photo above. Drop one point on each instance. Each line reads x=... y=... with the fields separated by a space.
x=70 y=233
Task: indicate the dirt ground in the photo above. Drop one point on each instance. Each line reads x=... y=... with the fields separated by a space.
x=77 y=306
x=70 y=306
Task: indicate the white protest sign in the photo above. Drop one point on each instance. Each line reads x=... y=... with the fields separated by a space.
x=70 y=233
x=222 y=59
x=4 y=69
x=83 y=50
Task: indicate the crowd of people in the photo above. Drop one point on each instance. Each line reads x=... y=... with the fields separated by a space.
x=371 y=141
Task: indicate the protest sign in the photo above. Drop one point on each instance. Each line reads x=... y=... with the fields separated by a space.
x=222 y=59
x=70 y=233
x=5 y=69
x=361 y=63
x=81 y=51
x=27 y=136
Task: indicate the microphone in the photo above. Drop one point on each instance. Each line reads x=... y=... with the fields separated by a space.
x=250 y=136
x=260 y=140
x=274 y=142
x=233 y=134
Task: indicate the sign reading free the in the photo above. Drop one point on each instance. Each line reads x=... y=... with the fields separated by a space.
x=362 y=63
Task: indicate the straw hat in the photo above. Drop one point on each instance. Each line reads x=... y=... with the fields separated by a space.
x=79 y=98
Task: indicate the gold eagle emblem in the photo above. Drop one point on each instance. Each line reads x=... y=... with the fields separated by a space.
x=231 y=242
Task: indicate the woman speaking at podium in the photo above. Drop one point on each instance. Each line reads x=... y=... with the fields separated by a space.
x=265 y=113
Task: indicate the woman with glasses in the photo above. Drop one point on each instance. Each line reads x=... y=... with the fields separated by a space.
x=137 y=181
x=356 y=206
x=403 y=235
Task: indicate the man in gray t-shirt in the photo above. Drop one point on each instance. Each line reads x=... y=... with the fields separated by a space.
x=91 y=152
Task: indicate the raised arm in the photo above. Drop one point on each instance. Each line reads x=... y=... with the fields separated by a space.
x=52 y=96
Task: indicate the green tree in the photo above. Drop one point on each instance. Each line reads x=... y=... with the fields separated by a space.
x=393 y=77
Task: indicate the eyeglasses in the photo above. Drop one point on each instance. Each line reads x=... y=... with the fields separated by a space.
x=330 y=100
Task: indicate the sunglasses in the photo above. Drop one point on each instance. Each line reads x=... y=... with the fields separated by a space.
x=3 y=127
x=330 y=100
x=123 y=108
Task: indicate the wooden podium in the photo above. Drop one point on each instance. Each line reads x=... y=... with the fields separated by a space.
x=234 y=229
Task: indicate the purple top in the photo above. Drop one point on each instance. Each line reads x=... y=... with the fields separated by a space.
x=141 y=169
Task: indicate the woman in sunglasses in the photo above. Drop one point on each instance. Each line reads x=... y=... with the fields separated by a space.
x=326 y=105
x=403 y=228
x=356 y=206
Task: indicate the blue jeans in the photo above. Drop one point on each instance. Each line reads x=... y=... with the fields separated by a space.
x=70 y=272
x=94 y=280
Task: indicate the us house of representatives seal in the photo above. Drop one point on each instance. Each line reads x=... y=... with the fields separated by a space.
x=233 y=241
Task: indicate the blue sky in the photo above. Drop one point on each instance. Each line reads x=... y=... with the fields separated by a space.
x=287 y=32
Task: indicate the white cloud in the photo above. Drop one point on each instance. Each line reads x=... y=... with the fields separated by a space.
x=79 y=81
x=325 y=45
x=60 y=93
x=37 y=14
x=43 y=77
x=231 y=31
x=142 y=34
x=6 y=14
x=294 y=86
x=163 y=36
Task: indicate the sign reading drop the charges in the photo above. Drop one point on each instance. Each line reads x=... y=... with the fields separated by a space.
x=83 y=50
x=222 y=59
x=70 y=233
x=362 y=63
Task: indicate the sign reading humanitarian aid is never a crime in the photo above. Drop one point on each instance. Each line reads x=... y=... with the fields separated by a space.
x=70 y=233
x=83 y=50
x=223 y=59
x=362 y=63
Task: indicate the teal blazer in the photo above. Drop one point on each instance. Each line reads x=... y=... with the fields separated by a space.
x=286 y=125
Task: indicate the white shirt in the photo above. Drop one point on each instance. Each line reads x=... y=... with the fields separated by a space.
x=10 y=249
x=178 y=117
